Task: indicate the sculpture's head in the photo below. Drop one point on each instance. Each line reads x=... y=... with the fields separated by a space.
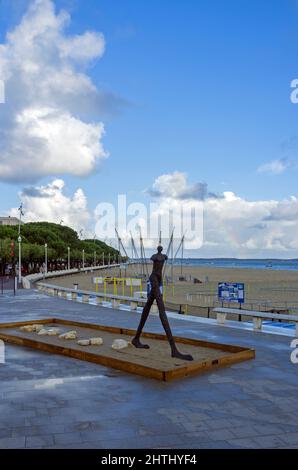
x=159 y=249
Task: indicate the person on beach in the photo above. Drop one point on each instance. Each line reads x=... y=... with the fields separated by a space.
x=155 y=294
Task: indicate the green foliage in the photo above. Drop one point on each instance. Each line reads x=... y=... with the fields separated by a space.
x=58 y=238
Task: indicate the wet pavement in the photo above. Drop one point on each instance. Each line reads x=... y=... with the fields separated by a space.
x=51 y=401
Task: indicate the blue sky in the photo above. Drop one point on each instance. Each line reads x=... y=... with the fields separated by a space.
x=208 y=87
x=200 y=87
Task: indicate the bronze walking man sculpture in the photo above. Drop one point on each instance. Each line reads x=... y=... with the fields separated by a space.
x=155 y=294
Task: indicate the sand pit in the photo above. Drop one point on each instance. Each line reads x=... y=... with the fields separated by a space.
x=155 y=362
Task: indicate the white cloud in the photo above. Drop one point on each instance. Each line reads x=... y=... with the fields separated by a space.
x=275 y=167
x=234 y=226
x=175 y=185
x=49 y=124
x=49 y=203
x=83 y=48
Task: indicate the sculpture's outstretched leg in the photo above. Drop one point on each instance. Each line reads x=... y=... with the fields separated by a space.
x=136 y=340
x=175 y=353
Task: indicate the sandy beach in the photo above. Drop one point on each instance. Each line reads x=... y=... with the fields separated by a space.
x=264 y=288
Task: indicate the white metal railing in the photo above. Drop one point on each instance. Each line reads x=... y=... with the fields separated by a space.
x=116 y=300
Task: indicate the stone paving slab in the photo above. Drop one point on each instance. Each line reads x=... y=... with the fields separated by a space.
x=49 y=401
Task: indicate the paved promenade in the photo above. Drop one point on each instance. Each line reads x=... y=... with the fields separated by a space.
x=50 y=401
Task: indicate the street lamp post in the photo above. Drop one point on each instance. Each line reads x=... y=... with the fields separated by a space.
x=20 y=258
x=94 y=258
x=83 y=257
x=103 y=259
x=46 y=257
x=68 y=257
x=20 y=209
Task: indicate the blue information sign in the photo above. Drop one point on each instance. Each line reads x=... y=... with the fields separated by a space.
x=231 y=292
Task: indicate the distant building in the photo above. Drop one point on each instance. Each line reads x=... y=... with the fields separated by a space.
x=10 y=221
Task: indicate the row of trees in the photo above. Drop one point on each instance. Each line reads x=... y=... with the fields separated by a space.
x=58 y=238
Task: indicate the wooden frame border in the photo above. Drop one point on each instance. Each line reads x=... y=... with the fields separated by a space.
x=238 y=353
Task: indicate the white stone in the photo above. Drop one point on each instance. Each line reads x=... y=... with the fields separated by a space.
x=31 y=328
x=119 y=344
x=69 y=335
x=96 y=341
x=43 y=332
x=84 y=342
x=37 y=328
x=53 y=331
x=27 y=328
